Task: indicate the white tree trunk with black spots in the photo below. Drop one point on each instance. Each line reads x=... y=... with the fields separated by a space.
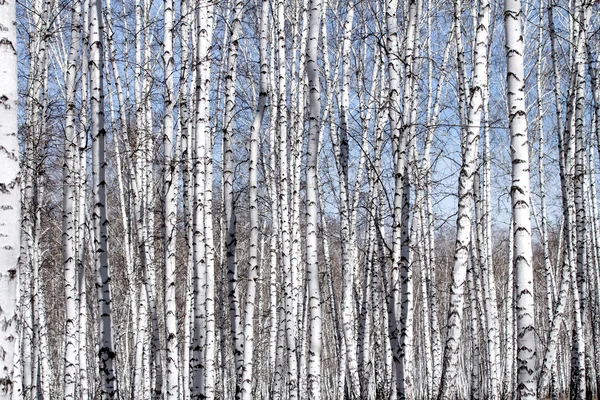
x=106 y=354
x=465 y=202
x=169 y=211
x=10 y=194
x=253 y=273
x=523 y=267
x=312 y=269
x=70 y=211
x=237 y=333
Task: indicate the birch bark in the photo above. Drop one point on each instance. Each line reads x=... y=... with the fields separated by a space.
x=246 y=382
x=10 y=196
x=465 y=192
x=170 y=210
x=315 y=346
x=96 y=65
x=237 y=333
x=525 y=306
x=289 y=301
x=70 y=203
x=395 y=126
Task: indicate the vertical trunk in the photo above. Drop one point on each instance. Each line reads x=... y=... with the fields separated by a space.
x=44 y=373
x=83 y=239
x=186 y=169
x=203 y=343
x=465 y=192
x=404 y=159
x=581 y=220
x=253 y=276
x=314 y=362
x=10 y=196
x=595 y=236
x=96 y=65
x=298 y=102
x=541 y=168
x=70 y=210
x=289 y=301
x=199 y=148
x=169 y=211
x=237 y=334
x=348 y=261
x=523 y=267
x=395 y=127
x=475 y=333
x=31 y=178
x=273 y=186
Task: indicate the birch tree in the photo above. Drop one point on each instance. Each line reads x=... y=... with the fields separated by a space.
x=314 y=362
x=253 y=275
x=523 y=268
x=70 y=211
x=170 y=216
x=10 y=196
x=106 y=352
x=237 y=333
x=465 y=189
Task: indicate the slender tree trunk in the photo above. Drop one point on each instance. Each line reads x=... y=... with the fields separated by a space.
x=253 y=275
x=10 y=196
x=466 y=180
x=289 y=301
x=314 y=295
x=237 y=333
x=395 y=127
x=70 y=211
x=170 y=211
x=524 y=301
x=83 y=240
x=96 y=65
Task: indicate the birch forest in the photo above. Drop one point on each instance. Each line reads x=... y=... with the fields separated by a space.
x=299 y=199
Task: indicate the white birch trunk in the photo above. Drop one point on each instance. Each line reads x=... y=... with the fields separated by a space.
x=106 y=352
x=272 y=181
x=203 y=344
x=83 y=238
x=237 y=333
x=186 y=162
x=475 y=334
x=170 y=211
x=199 y=152
x=253 y=273
x=314 y=296
x=348 y=262
x=466 y=180
x=298 y=90
x=525 y=307
x=284 y=212
x=395 y=128
x=10 y=196
x=70 y=210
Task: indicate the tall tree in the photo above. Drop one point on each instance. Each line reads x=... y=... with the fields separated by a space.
x=237 y=333
x=106 y=353
x=314 y=295
x=523 y=267
x=465 y=200
x=170 y=210
x=253 y=275
x=10 y=196
x=70 y=209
